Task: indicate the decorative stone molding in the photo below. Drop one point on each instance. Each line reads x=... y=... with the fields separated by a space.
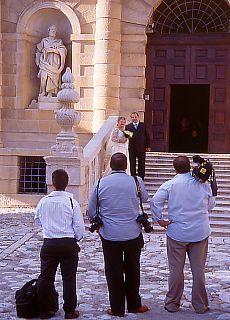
x=59 y=5
x=67 y=142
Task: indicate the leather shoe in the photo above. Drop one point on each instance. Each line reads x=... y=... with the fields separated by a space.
x=143 y=308
x=202 y=311
x=73 y=315
x=111 y=313
x=171 y=310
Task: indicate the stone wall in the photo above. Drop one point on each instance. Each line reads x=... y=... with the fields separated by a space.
x=23 y=26
x=106 y=53
x=106 y=42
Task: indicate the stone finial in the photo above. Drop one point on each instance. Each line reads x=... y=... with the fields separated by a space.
x=67 y=141
x=68 y=95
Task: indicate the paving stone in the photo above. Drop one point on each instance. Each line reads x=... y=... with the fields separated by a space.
x=22 y=264
x=224 y=317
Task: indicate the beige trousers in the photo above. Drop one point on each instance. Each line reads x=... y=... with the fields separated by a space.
x=197 y=254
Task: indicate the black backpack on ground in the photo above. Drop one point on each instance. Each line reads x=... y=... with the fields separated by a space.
x=26 y=300
x=27 y=303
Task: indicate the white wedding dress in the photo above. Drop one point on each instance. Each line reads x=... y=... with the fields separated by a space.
x=115 y=145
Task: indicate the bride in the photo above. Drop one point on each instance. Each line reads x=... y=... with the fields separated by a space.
x=118 y=142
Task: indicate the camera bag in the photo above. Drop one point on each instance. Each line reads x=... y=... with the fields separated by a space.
x=27 y=302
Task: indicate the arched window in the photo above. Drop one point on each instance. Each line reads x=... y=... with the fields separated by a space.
x=190 y=16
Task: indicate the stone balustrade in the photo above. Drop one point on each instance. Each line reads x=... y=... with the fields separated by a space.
x=94 y=154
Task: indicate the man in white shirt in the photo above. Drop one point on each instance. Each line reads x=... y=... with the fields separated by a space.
x=62 y=226
x=187 y=231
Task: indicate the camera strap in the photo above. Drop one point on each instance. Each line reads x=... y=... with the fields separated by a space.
x=71 y=202
x=139 y=192
x=97 y=204
x=213 y=183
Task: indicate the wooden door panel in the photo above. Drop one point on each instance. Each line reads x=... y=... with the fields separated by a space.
x=200 y=66
x=157 y=90
x=179 y=68
x=160 y=74
x=219 y=124
x=160 y=118
x=189 y=60
x=221 y=72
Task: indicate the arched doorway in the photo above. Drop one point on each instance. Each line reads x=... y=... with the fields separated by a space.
x=187 y=76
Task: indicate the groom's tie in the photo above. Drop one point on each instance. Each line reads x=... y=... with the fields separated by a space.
x=135 y=126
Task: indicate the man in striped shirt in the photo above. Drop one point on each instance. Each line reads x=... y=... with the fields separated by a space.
x=62 y=226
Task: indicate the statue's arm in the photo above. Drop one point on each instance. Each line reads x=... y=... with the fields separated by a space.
x=63 y=53
x=38 y=55
x=40 y=46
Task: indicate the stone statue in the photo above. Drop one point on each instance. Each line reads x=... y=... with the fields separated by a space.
x=50 y=58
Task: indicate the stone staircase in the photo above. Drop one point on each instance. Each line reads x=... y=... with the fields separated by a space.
x=159 y=169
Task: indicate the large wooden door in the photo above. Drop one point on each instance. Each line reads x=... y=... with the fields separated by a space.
x=188 y=59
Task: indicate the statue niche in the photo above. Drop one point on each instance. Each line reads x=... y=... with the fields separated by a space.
x=50 y=58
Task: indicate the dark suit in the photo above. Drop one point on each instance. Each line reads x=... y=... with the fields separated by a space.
x=137 y=148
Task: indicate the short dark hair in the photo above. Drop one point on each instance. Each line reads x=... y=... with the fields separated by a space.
x=60 y=179
x=135 y=112
x=181 y=164
x=118 y=161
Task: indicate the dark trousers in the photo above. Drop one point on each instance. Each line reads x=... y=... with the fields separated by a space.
x=140 y=157
x=55 y=251
x=122 y=271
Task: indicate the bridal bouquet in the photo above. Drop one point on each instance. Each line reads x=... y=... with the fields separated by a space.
x=128 y=134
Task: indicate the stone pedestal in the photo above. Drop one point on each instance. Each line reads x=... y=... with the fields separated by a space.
x=75 y=168
x=45 y=103
x=48 y=103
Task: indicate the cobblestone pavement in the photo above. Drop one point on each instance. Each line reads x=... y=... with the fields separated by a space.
x=20 y=241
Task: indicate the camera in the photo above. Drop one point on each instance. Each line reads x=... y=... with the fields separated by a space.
x=96 y=223
x=143 y=219
x=204 y=171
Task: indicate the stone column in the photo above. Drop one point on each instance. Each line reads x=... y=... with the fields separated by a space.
x=1 y=142
x=67 y=153
x=107 y=60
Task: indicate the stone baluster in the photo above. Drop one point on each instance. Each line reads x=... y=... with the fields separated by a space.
x=67 y=153
x=67 y=141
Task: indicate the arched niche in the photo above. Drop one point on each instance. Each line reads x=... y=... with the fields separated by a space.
x=32 y=26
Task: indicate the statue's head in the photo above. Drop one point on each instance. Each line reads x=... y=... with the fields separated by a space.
x=52 y=30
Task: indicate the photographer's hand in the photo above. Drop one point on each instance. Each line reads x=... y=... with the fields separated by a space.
x=164 y=223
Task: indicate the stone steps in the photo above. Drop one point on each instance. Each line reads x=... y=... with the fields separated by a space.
x=159 y=169
x=217 y=232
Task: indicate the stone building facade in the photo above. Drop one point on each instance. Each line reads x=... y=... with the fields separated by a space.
x=106 y=50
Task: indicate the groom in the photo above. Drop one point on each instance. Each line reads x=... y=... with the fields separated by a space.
x=138 y=145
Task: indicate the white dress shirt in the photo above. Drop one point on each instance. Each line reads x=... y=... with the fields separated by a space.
x=58 y=219
x=135 y=124
x=188 y=203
